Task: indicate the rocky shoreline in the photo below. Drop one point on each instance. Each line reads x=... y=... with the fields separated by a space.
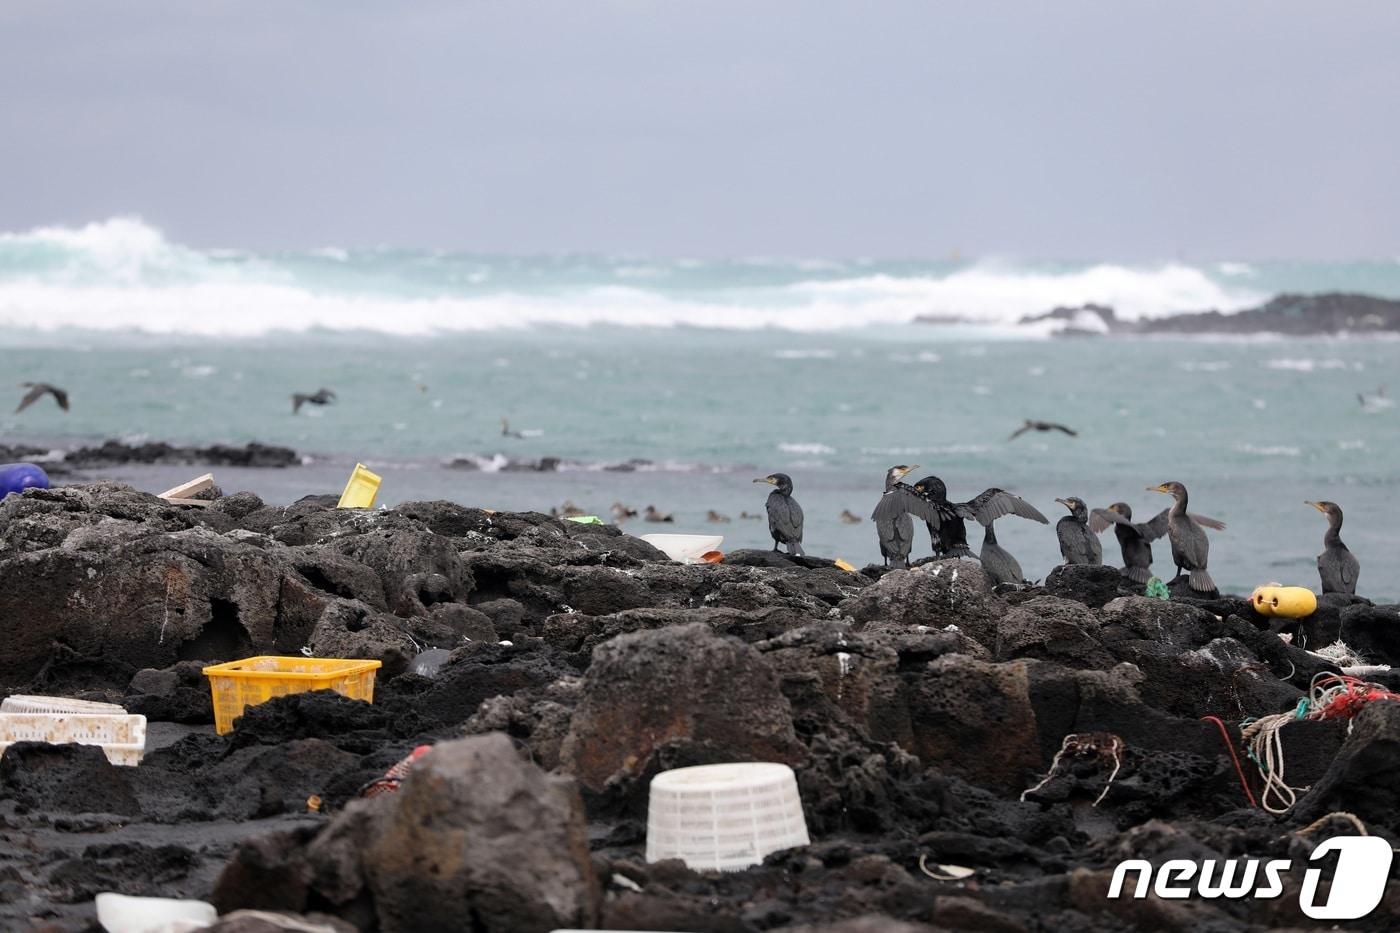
x=915 y=707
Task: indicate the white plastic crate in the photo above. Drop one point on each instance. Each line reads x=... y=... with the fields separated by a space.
x=21 y=703
x=724 y=817
x=122 y=738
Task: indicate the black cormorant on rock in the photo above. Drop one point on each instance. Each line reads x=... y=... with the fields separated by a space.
x=1132 y=539
x=1078 y=545
x=997 y=561
x=894 y=516
x=1337 y=565
x=946 y=529
x=784 y=514
x=1190 y=547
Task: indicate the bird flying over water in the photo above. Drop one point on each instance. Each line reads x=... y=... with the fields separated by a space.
x=785 y=517
x=319 y=397
x=507 y=432
x=1029 y=425
x=1336 y=565
x=38 y=390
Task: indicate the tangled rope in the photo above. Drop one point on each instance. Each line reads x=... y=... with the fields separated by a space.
x=1101 y=746
x=1330 y=696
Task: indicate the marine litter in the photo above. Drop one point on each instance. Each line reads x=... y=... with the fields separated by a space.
x=893 y=749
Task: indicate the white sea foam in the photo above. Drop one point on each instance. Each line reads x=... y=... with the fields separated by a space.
x=123 y=274
x=813 y=449
x=1307 y=364
x=1275 y=450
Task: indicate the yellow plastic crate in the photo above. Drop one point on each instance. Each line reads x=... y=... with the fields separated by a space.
x=240 y=684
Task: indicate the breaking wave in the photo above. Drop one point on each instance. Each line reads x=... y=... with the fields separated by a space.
x=125 y=275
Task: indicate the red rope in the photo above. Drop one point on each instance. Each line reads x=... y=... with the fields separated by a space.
x=1230 y=747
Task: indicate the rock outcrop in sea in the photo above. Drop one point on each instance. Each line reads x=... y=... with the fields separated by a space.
x=917 y=707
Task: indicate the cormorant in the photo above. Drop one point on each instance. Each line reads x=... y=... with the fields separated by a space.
x=38 y=390
x=1337 y=565
x=1078 y=545
x=894 y=515
x=946 y=529
x=621 y=513
x=652 y=515
x=715 y=518
x=997 y=561
x=784 y=514
x=319 y=397
x=850 y=518
x=507 y=432
x=747 y=515
x=1132 y=540
x=1030 y=425
x=1190 y=547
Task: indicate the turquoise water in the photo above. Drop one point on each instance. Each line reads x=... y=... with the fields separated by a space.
x=715 y=373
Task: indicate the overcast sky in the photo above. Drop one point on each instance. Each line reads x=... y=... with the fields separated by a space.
x=1117 y=129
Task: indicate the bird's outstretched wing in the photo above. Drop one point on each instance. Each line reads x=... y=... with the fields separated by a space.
x=1205 y=521
x=299 y=400
x=899 y=500
x=1019 y=431
x=1060 y=427
x=36 y=392
x=1154 y=529
x=991 y=504
x=1100 y=519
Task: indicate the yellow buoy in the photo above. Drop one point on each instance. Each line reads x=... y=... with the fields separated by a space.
x=361 y=490
x=1284 y=602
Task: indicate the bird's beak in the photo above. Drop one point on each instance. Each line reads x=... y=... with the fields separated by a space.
x=767 y=479
x=1158 y=489
x=1316 y=505
x=908 y=470
x=1064 y=503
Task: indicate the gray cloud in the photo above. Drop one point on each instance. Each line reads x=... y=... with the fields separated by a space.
x=1073 y=129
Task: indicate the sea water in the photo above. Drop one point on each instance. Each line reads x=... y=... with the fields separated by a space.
x=677 y=383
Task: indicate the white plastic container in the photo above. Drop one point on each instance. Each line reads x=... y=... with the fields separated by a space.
x=687 y=549
x=119 y=913
x=724 y=817
x=122 y=738
x=22 y=703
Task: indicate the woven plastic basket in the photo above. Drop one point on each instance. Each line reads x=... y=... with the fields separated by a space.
x=122 y=738
x=22 y=703
x=240 y=684
x=724 y=817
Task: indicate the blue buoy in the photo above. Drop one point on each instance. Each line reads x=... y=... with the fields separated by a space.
x=17 y=477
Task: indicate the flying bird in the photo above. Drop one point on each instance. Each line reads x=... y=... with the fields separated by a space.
x=507 y=432
x=38 y=390
x=1030 y=425
x=319 y=397
x=785 y=517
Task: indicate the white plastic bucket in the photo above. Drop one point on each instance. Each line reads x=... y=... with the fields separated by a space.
x=724 y=817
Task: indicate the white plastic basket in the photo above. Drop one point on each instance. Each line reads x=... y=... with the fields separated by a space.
x=724 y=817
x=122 y=738
x=21 y=703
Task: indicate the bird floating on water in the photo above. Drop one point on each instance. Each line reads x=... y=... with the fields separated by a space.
x=716 y=518
x=38 y=390
x=507 y=432
x=785 y=517
x=850 y=518
x=319 y=397
x=652 y=515
x=621 y=513
x=749 y=516
x=1336 y=565
x=1029 y=425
